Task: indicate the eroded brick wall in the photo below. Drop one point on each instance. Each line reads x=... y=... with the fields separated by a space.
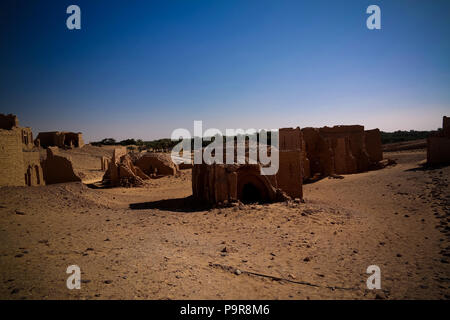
x=373 y=145
x=11 y=158
x=32 y=168
x=8 y=121
x=438 y=145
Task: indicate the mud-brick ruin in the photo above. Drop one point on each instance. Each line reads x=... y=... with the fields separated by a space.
x=124 y=171
x=60 y=139
x=226 y=183
x=57 y=168
x=303 y=154
x=156 y=164
x=341 y=150
x=438 y=145
x=19 y=159
x=21 y=163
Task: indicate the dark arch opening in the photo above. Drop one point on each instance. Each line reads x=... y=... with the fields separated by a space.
x=28 y=177
x=38 y=178
x=251 y=194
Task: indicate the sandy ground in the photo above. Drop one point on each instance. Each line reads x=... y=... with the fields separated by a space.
x=152 y=243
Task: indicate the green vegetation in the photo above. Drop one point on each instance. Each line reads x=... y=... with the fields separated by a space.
x=167 y=144
x=400 y=136
x=161 y=144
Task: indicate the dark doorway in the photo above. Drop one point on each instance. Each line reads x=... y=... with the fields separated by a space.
x=251 y=194
x=38 y=178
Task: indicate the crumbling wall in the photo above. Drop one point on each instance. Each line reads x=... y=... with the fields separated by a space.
x=34 y=175
x=446 y=127
x=49 y=139
x=61 y=139
x=343 y=160
x=341 y=149
x=438 y=145
x=27 y=138
x=19 y=160
x=72 y=139
x=57 y=168
x=222 y=183
x=292 y=139
x=122 y=172
x=373 y=145
x=8 y=121
x=438 y=150
x=355 y=147
x=104 y=163
x=318 y=152
x=156 y=164
x=11 y=158
x=289 y=177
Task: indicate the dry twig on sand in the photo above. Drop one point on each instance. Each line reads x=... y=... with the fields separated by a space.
x=239 y=271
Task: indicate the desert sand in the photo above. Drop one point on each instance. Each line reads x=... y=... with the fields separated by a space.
x=151 y=242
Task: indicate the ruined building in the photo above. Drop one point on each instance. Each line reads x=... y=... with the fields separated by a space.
x=19 y=159
x=373 y=145
x=157 y=164
x=438 y=145
x=341 y=149
x=222 y=183
x=122 y=172
x=126 y=171
x=58 y=168
x=104 y=163
x=303 y=153
x=60 y=139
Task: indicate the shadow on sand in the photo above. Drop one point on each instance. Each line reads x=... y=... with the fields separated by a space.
x=186 y=204
x=426 y=167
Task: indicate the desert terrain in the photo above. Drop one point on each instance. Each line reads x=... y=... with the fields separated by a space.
x=152 y=242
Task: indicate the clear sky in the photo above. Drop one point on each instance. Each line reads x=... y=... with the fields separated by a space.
x=140 y=69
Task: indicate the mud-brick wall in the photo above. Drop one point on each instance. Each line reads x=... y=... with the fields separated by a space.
x=11 y=158
x=32 y=167
x=8 y=121
x=290 y=173
x=438 y=150
x=373 y=145
x=446 y=126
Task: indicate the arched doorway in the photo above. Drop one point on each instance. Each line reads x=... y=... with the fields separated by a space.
x=252 y=187
x=28 y=175
x=38 y=178
x=251 y=194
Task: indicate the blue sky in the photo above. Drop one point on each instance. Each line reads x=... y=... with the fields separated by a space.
x=140 y=69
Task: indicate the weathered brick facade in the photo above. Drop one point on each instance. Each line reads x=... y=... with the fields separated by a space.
x=19 y=161
x=438 y=145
